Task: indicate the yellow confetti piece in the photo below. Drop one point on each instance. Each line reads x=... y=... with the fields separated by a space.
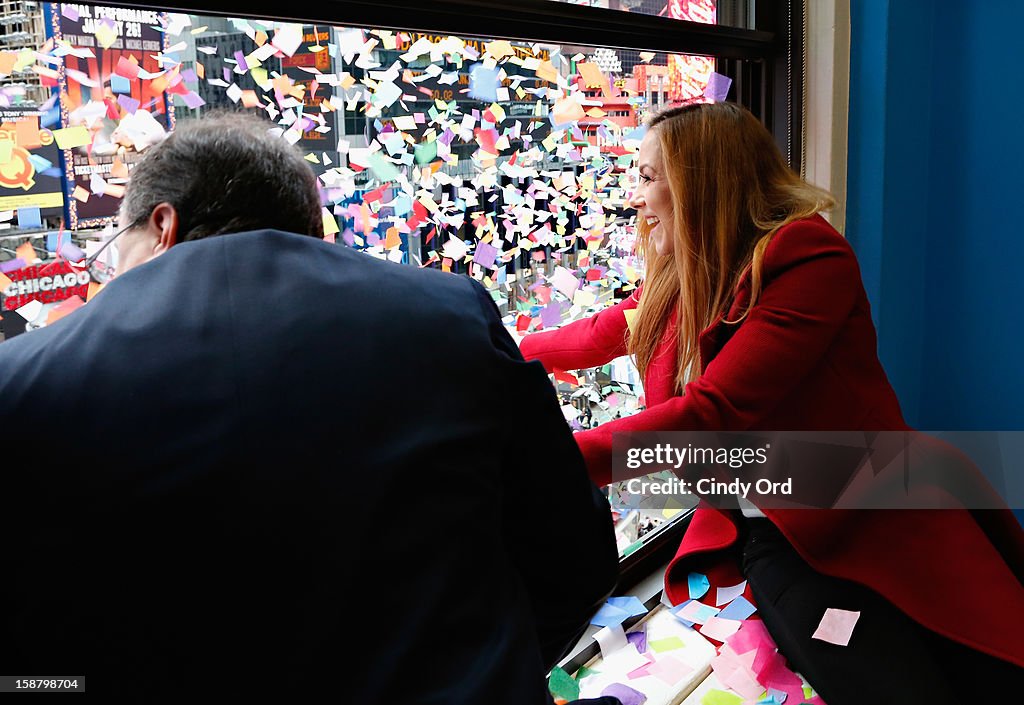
x=71 y=137
x=330 y=224
x=106 y=35
x=500 y=49
x=630 y=314
x=26 y=57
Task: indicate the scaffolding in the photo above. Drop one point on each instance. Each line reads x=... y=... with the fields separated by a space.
x=22 y=26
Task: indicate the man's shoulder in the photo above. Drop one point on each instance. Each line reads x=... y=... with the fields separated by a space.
x=261 y=243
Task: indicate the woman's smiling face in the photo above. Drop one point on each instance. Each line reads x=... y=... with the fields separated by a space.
x=653 y=198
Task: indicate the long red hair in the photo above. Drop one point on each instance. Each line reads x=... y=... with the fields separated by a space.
x=731 y=192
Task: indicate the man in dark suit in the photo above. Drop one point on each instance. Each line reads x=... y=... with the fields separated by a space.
x=258 y=462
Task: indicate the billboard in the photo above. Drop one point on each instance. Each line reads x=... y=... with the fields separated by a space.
x=313 y=55
x=113 y=79
x=30 y=175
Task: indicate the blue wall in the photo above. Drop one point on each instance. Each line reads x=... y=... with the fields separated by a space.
x=935 y=187
x=936 y=158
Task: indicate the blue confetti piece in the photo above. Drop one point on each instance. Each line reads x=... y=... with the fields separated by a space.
x=629 y=604
x=698 y=585
x=29 y=218
x=483 y=83
x=609 y=616
x=40 y=163
x=51 y=117
x=120 y=84
x=675 y=613
x=738 y=609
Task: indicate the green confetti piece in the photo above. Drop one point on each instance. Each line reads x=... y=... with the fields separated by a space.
x=720 y=697
x=426 y=152
x=632 y=547
x=584 y=672
x=382 y=168
x=667 y=644
x=808 y=692
x=562 y=685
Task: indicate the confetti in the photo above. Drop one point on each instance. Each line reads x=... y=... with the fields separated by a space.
x=698 y=585
x=70 y=137
x=836 y=626
x=728 y=594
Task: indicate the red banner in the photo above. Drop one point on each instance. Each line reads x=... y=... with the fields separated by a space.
x=49 y=282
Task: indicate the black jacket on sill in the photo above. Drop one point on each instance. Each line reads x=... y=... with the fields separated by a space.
x=259 y=452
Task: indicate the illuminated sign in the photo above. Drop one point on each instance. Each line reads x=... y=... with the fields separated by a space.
x=49 y=283
x=29 y=163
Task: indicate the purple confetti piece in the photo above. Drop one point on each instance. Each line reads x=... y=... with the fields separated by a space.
x=69 y=11
x=71 y=252
x=189 y=76
x=193 y=100
x=349 y=237
x=551 y=315
x=240 y=58
x=718 y=87
x=625 y=694
x=128 y=103
x=638 y=639
x=485 y=254
x=12 y=265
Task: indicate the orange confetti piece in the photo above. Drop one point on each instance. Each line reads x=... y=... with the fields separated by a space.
x=64 y=308
x=94 y=288
x=392 y=239
x=26 y=252
x=250 y=99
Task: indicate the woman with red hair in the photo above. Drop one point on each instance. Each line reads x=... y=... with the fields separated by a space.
x=752 y=317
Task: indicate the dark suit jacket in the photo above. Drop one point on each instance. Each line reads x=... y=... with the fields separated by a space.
x=259 y=451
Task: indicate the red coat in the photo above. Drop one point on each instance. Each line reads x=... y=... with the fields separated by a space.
x=805 y=359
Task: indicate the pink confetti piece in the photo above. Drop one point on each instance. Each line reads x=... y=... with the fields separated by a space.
x=836 y=626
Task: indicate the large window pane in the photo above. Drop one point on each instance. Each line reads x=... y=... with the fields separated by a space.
x=508 y=161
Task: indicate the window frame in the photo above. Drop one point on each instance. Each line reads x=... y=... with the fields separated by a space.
x=765 y=63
